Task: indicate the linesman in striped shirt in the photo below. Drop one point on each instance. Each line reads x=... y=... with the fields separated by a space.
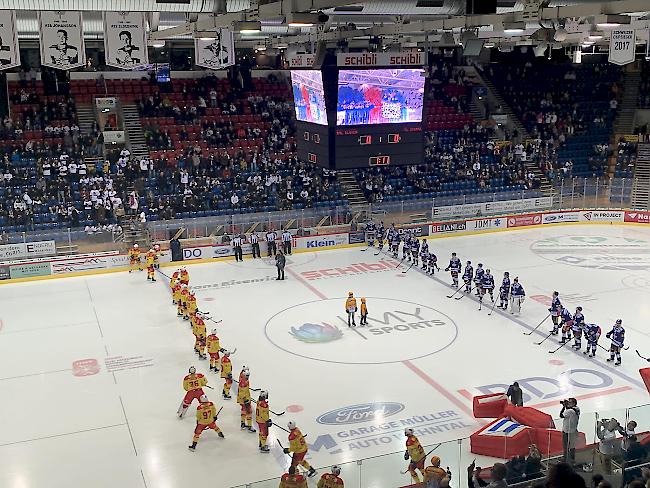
x=237 y=242
x=271 y=237
x=286 y=241
x=255 y=244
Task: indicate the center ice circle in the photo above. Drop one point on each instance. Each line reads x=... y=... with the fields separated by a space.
x=397 y=330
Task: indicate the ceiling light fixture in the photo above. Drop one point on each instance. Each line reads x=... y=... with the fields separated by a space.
x=514 y=28
x=611 y=21
x=248 y=26
x=158 y=43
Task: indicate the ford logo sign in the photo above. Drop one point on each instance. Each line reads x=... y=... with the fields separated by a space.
x=365 y=412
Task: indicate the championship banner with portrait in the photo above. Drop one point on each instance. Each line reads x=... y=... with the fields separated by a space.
x=9 y=52
x=125 y=39
x=216 y=53
x=61 y=38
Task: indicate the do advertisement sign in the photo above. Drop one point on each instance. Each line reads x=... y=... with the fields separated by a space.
x=621 y=46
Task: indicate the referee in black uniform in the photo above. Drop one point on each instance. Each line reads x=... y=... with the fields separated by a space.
x=271 y=236
x=254 y=240
x=286 y=241
x=236 y=244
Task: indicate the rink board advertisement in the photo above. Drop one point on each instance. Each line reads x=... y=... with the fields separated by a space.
x=27 y=249
x=22 y=260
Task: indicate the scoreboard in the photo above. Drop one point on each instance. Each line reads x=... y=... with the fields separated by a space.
x=378 y=145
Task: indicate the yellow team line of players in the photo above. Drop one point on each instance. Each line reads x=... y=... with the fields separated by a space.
x=150 y=260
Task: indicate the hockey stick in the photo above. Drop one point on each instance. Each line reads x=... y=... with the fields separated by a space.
x=426 y=455
x=623 y=348
x=217 y=415
x=400 y=263
x=493 y=306
x=561 y=346
x=274 y=413
x=544 y=340
x=251 y=389
x=639 y=354
x=410 y=266
x=282 y=447
x=215 y=321
x=538 y=325
x=455 y=293
x=166 y=276
x=468 y=293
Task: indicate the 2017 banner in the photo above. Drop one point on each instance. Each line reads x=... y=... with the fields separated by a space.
x=9 y=52
x=61 y=39
x=125 y=39
x=216 y=53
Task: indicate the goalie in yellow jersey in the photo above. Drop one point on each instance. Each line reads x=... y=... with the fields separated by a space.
x=206 y=417
x=134 y=258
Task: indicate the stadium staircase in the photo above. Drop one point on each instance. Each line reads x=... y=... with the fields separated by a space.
x=624 y=123
x=351 y=189
x=86 y=117
x=134 y=132
x=641 y=185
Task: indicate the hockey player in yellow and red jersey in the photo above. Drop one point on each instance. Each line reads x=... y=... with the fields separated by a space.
x=263 y=420
x=174 y=280
x=351 y=308
x=293 y=479
x=134 y=258
x=214 y=348
x=176 y=296
x=244 y=400
x=184 y=277
x=193 y=384
x=156 y=256
x=298 y=448
x=182 y=303
x=247 y=416
x=331 y=480
x=198 y=329
x=192 y=306
x=226 y=374
x=415 y=453
x=206 y=418
x=149 y=262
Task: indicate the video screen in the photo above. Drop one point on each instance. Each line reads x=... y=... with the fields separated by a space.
x=380 y=96
x=309 y=96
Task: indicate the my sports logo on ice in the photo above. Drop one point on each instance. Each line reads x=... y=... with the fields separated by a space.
x=397 y=330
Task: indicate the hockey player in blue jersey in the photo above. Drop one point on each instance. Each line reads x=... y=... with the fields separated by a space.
x=406 y=247
x=478 y=279
x=566 y=319
x=454 y=268
x=617 y=336
x=487 y=285
x=424 y=253
x=370 y=233
x=433 y=263
x=517 y=296
x=394 y=243
x=504 y=291
x=592 y=334
x=468 y=276
x=415 y=250
x=576 y=327
x=556 y=312
x=381 y=235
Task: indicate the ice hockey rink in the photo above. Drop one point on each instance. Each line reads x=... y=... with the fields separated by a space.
x=91 y=368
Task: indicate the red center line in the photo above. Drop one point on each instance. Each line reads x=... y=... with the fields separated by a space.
x=306 y=283
x=437 y=386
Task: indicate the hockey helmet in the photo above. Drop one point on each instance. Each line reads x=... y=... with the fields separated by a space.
x=435 y=461
x=506 y=274
x=619 y=322
x=408 y=431
x=336 y=470
x=487 y=271
x=579 y=309
x=226 y=353
x=156 y=247
x=453 y=253
x=247 y=373
x=135 y=246
x=555 y=294
x=192 y=370
x=480 y=265
x=291 y=425
x=264 y=395
x=203 y=399
x=214 y=331
x=350 y=293
x=363 y=300
x=469 y=262
x=516 y=280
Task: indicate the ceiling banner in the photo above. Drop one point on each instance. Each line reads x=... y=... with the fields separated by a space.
x=216 y=53
x=125 y=39
x=61 y=39
x=9 y=52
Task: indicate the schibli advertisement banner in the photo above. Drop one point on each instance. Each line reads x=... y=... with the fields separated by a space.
x=125 y=39
x=410 y=58
x=300 y=61
x=524 y=220
x=61 y=39
x=622 y=44
x=9 y=52
x=638 y=216
x=215 y=53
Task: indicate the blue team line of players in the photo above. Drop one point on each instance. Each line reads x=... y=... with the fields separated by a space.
x=575 y=324
x=482 y=282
